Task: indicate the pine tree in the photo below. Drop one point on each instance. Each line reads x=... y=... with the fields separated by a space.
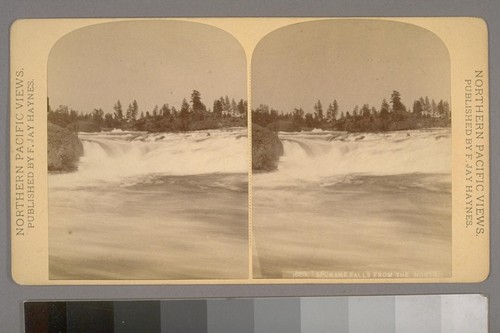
x=447 y=111
x=165 y=111
x=329 y=113
x=417 y=108
x=384 y=109
x=184 y=113
x=198 y=106
x=108 y=120
x=242 y=109
x=397 y=105
x=234 y=106
x=318 y=111
x=218 y=108
x=309 y=120
x=227 y=105
x=118 y=111
x=355 y=112
x=98 y=117
x=365 y=111
x=132 y=111
x=434 y=108
x=440 y=109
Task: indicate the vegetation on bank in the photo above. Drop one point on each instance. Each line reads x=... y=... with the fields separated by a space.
x=390 y=116
x=191 y=116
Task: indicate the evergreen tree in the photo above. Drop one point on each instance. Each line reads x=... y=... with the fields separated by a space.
x=227 y=105
x=129 y=113
x=165 y=111
x=218 y=108
x=234 y=106
x=318 y=111
x=335 y=109
x=132 y=111
x=73 y=116
x=434 y=107
x=355 y=112
x=440 y=109
x=198 y=106
x=108 y=120
x=98 y=117
x=446 y=107
x=298 y=118
x=384 y=109
x=184 y=112
x=365 y=111
x=309 y=120
x=397 y=105
x=417 y=108
x=118 y=111
x=242 y=109
x=329 y=113
x=426 y=106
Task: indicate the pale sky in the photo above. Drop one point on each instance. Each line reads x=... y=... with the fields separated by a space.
x=353 y=61
x=154 y=62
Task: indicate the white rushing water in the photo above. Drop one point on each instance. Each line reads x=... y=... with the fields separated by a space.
x=152 y=206
x=367 y=203
x=132 y=157
x=330 y=156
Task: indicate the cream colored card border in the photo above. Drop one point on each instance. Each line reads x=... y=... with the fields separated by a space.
x=32 y=40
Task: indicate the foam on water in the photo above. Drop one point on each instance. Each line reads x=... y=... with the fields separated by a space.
x=133 y=157
x=329 y=157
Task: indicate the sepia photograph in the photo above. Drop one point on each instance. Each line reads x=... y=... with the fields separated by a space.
x=249 y=150
x=147 y=153
x=352 y=152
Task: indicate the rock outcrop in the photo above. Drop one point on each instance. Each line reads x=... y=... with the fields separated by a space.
x=266 y=149
x=63 y=149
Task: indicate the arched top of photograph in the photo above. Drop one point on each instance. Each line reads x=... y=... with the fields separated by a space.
x=156 y=66
x=355 y=62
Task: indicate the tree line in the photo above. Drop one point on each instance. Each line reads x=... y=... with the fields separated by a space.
x=192 y=115
x=392 y=115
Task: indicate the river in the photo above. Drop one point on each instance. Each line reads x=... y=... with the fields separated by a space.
x=355 y=206
x=152 y=206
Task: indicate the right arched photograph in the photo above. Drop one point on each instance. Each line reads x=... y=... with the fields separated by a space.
x=351 y=152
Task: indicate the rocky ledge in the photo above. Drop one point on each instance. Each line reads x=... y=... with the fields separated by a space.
x=266 y=149
x=63 y=149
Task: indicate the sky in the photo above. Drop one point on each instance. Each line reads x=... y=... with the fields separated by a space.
x=352 y=61
x=154 y=62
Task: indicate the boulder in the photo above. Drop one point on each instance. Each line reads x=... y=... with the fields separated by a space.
x=266 y=149
x=63 y=149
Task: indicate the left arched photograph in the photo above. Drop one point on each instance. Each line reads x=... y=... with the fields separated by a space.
x=147 y=153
